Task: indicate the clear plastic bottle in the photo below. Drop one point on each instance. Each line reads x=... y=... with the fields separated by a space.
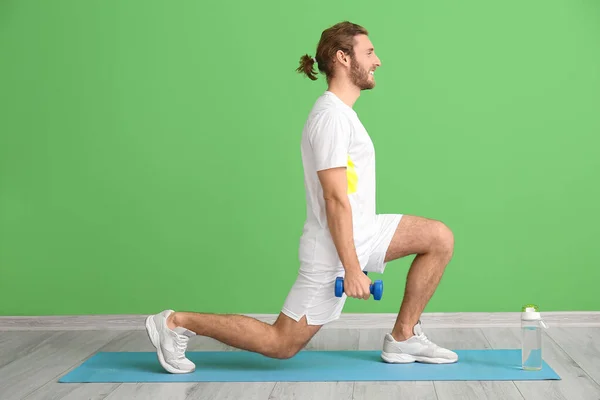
x=531 y=336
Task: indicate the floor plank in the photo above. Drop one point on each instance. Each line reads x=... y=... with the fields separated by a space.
x=232 y=391
x=16 y=344
x=575 y=383
x=158 y=391
x=48 y=360
x=312 y=391
x=583 y=346
x=123 y=341
x=384 y=390
x=469 y=390
x=73 y=391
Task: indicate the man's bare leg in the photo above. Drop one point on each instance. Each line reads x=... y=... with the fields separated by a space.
x=283 y=339
x=433 y=243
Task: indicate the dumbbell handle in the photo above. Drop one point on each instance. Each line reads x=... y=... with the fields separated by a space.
x=376 y=288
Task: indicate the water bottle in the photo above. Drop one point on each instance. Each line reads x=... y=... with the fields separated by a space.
x=531 y=331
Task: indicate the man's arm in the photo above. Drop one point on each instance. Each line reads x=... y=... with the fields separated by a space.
x=339 y=215
x=339 y=220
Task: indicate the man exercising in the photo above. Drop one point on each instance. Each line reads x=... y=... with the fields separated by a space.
x=342 y=236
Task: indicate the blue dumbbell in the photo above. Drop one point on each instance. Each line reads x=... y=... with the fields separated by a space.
x=375 y=288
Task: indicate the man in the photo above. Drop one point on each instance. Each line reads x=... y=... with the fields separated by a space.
x=343 y=235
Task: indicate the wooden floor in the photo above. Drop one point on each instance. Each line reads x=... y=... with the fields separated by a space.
x=31 y=362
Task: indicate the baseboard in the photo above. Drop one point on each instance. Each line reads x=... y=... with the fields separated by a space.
x=346 y=321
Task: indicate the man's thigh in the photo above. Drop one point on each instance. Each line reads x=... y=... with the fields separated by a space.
x=311 y=303
x=415 y=235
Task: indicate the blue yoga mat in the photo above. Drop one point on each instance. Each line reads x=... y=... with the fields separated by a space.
x=306 y=366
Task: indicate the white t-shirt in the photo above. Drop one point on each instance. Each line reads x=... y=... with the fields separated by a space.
x=333 y=136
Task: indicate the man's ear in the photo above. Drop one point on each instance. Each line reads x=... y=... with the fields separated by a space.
x=341 y=57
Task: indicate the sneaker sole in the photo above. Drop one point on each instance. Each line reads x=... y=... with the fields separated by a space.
x=402 y=358
x=154 y=338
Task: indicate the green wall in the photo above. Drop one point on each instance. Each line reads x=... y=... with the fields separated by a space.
x=150 y=159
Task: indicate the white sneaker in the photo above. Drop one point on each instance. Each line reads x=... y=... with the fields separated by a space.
x=416 y=348
x=170 y=344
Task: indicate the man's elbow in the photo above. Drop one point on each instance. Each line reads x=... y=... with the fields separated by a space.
x=336 y=200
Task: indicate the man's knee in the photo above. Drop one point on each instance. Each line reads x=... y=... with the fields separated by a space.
x=288 y=337
x=287 y=351
x=443 y=239
x=284 y=349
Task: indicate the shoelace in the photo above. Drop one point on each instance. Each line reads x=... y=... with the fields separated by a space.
x=180 y=345
x=423 y=338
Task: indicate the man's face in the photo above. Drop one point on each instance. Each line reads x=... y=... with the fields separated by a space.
x=364 y=63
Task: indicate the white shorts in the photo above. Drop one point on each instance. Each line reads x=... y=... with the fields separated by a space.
x=313 y=293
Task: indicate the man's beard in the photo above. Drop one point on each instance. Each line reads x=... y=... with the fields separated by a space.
x=360 y=77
